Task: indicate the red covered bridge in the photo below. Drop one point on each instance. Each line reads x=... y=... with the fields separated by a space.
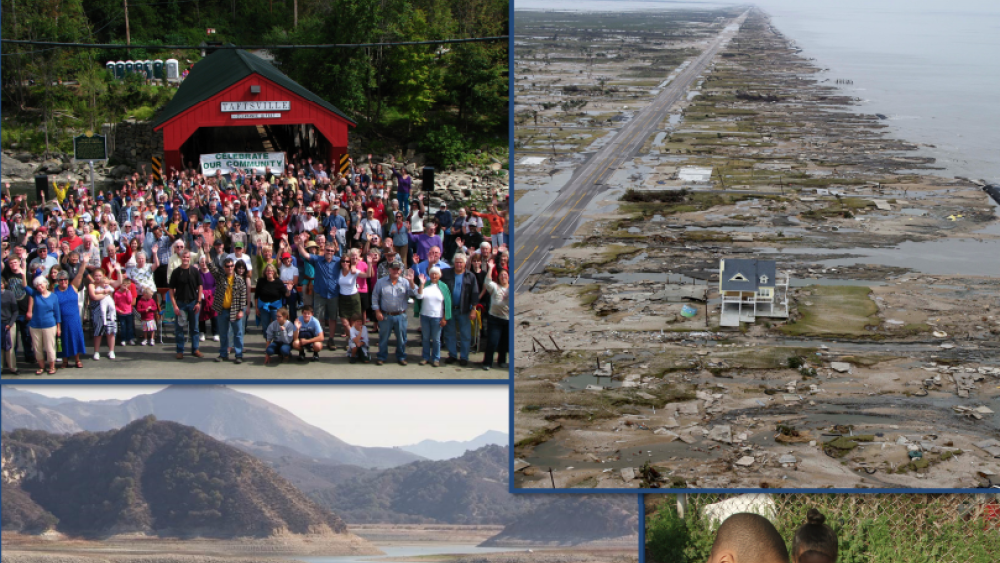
x=234 y=101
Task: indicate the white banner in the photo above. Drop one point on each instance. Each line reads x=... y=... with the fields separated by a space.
x=257 y=161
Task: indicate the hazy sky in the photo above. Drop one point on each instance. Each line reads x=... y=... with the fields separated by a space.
x=363 y=415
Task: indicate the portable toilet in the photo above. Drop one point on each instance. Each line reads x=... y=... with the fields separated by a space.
x=149 y=69
x=171 y=70
x=111 y=67
x=158 y=69
x=120 y=70
x=129 y=67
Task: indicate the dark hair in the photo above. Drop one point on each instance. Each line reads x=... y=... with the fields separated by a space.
x=307 y=309
x=815 y=536
x=356 y=319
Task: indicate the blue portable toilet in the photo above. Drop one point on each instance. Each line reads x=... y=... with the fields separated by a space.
x=148 y=67
x=120 y=70
x=111 y=67
x=158 y=69
x=129 y=67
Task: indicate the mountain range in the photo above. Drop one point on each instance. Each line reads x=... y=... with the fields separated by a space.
x=220 y=412
x=436 y=450
x=108 y=468
x=149 y=477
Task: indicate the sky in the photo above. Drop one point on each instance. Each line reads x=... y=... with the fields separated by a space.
x=363 y=415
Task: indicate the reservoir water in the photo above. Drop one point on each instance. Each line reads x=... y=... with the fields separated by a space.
x=930 y=66
x=407 y=551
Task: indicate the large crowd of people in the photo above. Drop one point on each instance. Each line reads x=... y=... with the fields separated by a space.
x=307 y=261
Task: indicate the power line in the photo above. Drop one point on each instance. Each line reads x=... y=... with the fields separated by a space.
x=57 y=44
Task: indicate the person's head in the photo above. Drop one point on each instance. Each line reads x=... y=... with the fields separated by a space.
x=459 y=261
x=435 y=274
x=270 y=272
x=814 y=541
x=485 y=248
x=43 y=252
x=748 y=538
x=147 y=293
x=178 y=247
x=240 y=268
x=307 y=313
x=40 y=283
x=395 y=269
x=185 y=258
x=433 y=255
x=357 y=322
x=98 y=276
x=503 y=278
x=238 y=249
x=282 y=315
x=286 y=259
x=475 y=261
x=62 y=281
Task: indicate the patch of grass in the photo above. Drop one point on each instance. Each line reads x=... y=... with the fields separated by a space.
x=589 y=293
x=537 y=437
x=870 y=528
x=836 y=310
x=866 y=361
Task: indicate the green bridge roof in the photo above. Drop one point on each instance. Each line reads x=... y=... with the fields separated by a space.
x=222 y=69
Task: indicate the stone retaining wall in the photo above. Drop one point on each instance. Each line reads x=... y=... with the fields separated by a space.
x=135 y=143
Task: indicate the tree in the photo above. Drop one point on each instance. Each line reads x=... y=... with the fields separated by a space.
x=92 y=88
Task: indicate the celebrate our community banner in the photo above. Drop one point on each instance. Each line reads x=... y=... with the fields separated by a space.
x=225 y=162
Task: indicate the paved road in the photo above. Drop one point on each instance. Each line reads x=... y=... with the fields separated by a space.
x=158 y=363
x=551 y=227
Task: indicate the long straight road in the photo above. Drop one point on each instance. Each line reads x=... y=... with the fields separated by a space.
x=550 y=228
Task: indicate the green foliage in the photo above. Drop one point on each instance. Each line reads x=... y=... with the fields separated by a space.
x=396 y=94
x=889 y=528
x=445 y=146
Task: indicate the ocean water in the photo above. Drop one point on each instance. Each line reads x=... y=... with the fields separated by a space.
x=931 y=66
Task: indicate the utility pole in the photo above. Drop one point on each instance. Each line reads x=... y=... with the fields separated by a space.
x=128 y=36
x=295 y=12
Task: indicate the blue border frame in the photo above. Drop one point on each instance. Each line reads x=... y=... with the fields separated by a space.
x=640 y=492
x=642 y=528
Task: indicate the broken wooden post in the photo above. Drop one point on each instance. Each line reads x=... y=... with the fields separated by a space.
x=552 y=478
x=554 y=343
x=540 y=344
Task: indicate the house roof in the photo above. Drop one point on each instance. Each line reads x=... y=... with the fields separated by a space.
x=741 y=274
x=222 y=69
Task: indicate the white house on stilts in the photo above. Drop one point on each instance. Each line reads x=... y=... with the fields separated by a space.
x=750 y=289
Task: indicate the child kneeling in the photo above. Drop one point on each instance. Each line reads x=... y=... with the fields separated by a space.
x=279 y=335
x=310 y=335
x=358 y=347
